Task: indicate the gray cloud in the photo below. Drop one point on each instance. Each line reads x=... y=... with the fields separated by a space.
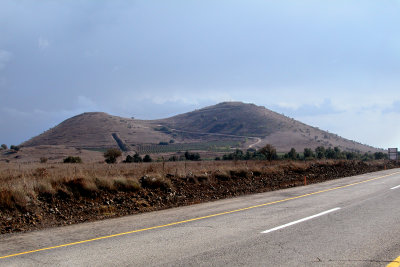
x=307 y=60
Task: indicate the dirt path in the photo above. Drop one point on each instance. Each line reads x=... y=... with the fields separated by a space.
x=258 y=141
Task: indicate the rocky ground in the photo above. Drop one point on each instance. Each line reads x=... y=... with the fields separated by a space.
x=86 y=204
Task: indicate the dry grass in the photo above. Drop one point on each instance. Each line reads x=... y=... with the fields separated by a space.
x=21 y=183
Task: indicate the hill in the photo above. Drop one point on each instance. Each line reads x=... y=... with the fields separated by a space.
x=237 y=118
x=216 y=128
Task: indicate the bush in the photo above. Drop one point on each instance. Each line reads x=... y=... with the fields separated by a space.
x=15 y=148
x=70 y=159
x=379 y=155
x=134 y=158
x=4 y=146
x=125 y=184
x=269 y=152
x=192 y=156
x=155 y=182
x=173 y=158
x=43 y=160
x=308 y=153
x=147 y=158
x=112 y=154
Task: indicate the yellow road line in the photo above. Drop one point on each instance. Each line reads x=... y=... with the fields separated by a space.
x=196 y=219
x=395 y=263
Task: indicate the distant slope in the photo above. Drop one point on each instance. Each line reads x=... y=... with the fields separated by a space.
x=228 y=121
x=233 y=118
x=237 y=118
x=98 y=130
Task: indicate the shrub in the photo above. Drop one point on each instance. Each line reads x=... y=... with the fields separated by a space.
x=81 y=186
x=104 y=183
x=192 y=156
x=134 y=158
x=4 y=146
x=71 y=159
x=15 y=148
x=43 y=160
x=112 y=154
x=173 y=158
x=308 y=153
x=11 y=199
x=147 y=158
x=379 y=155
x=269 y=152
x=221 y=176
x=125 y=184
x=155 y=182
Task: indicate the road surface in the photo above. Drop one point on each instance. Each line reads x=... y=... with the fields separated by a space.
x=353 y=221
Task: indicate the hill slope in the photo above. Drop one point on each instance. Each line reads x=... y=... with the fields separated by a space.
x=237 y=118
x=246 y=125
x=98 y=130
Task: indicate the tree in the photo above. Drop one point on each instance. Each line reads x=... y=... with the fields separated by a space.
x=4 y=146
x=308 y=153
x=269 y=152
x=112 y=154
x=379 y=155
x=320 y=152
x=330 y=153
x=147 y=158
x=292 y=154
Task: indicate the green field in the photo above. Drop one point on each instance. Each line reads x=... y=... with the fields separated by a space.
x=215 y=146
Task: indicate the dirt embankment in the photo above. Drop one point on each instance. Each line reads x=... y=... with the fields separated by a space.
x=80 y=199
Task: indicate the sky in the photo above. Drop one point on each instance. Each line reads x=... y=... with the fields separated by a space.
x=333 y=64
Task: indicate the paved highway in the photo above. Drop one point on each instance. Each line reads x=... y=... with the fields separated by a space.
x=353 y=221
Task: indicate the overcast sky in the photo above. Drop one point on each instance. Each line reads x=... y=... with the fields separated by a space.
x=330 y=63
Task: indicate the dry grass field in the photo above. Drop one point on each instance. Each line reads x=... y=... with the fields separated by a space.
x=36 y=195
x=21 y=182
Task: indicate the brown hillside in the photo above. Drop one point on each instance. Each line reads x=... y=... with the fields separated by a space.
x=244 y=125
x=237 y=118
x=98 y=130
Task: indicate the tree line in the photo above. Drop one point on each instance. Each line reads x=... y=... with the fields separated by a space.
x=268 y=152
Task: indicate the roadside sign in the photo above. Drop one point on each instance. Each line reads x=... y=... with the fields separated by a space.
x=393 y=153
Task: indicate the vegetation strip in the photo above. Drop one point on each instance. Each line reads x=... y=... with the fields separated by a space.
x=201 y=218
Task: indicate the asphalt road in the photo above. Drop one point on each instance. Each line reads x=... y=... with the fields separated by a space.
x=353 y=221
